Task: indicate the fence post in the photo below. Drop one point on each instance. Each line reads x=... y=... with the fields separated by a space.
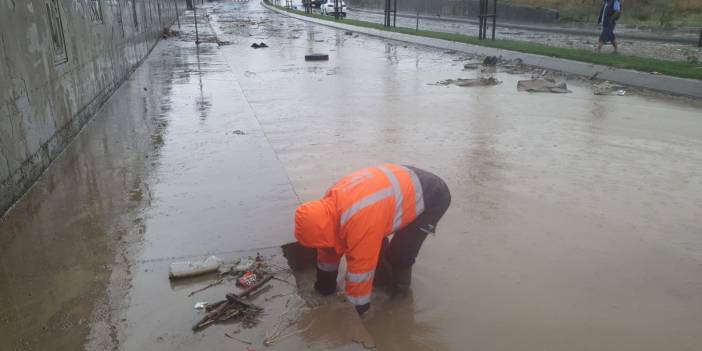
x=197 y=35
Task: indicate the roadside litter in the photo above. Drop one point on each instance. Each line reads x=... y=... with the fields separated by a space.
x=470 y=82
x=515 y=66
x=192 y=268
x=543 y=85
x=235 y=306
x=259 y=46
x=471 y=65
x=607 y=88
x=490 y=61
x=167 y=33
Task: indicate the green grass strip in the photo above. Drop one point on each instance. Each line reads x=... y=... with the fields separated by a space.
x=672 y=68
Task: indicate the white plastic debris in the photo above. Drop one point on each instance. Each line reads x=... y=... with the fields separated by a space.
x=244 y=265
x=200 y=305
x=192 y=268
x=621 y=92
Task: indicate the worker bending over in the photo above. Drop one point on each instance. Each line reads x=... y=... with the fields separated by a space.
x=356 y=215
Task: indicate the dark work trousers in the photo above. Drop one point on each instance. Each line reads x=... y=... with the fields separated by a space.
x=405 y=244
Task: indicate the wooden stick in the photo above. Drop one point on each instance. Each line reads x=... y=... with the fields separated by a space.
x=215 y=283
x=210 y=317
x=237 y=339
x=259 y=292
x=253 y=288
x=232 y=298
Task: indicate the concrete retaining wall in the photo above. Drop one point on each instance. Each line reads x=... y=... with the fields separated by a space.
x=60 y=60
x=463 y=8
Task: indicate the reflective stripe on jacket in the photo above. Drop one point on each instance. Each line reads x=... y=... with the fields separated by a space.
x=354 y=216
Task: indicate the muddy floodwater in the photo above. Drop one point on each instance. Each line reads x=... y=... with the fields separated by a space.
x=575 y=222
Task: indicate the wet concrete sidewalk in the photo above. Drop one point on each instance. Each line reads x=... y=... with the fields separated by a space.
x=574 y=223
x=174 y=167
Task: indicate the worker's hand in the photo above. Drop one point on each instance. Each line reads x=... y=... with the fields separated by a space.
x=326 y=282
x=362 y=309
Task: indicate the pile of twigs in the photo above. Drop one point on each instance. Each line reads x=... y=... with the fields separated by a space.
x=234 y=307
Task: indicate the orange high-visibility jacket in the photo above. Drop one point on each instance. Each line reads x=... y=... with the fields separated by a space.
x=354 y=217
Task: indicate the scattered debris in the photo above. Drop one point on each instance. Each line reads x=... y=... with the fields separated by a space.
x=316 y=57
x=470 y=82
x=276 y=334
x=261 y=291
x=167 y=33
x=238 y=132
x=245 y=264
x=235 y=306
x=200 y=305
x=193 y=268
x=348 y=33
x=515 y=66
x=606 y=88
x=229 y=267
x=490 y=61
x=262 y=45
x=247 y=280
x=545 y=85
x=621 y=92
x=450 y=52
x=471 y=65
x=237 y=339
x=215 y=283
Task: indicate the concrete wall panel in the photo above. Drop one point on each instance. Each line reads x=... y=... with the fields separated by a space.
x=59 y=61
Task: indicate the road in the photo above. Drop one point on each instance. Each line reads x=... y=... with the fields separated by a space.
x=644 y=48
x=574 y=222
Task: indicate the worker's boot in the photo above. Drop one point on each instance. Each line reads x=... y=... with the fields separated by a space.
x=401 y=281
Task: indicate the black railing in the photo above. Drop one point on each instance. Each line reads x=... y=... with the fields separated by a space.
x=484 y=16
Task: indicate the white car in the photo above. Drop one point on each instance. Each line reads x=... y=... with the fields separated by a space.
x=327 y=8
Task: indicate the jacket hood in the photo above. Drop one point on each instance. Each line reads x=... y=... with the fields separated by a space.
x=315 y=224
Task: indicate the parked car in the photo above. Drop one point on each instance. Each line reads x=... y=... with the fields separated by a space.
x=314 y=3
x=327 y=8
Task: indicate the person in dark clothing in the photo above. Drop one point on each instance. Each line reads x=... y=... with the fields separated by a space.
x=609 y=14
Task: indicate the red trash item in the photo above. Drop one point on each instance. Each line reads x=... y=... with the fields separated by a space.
x=247 y=280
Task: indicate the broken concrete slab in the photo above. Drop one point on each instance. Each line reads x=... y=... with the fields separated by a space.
x=470 y=82
x=543 y=85
x=606 y=88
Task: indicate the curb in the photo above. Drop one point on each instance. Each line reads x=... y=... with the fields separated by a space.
x=673 y=85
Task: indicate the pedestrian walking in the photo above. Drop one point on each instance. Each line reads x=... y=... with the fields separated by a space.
x=609 y=14
x=354 y=219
